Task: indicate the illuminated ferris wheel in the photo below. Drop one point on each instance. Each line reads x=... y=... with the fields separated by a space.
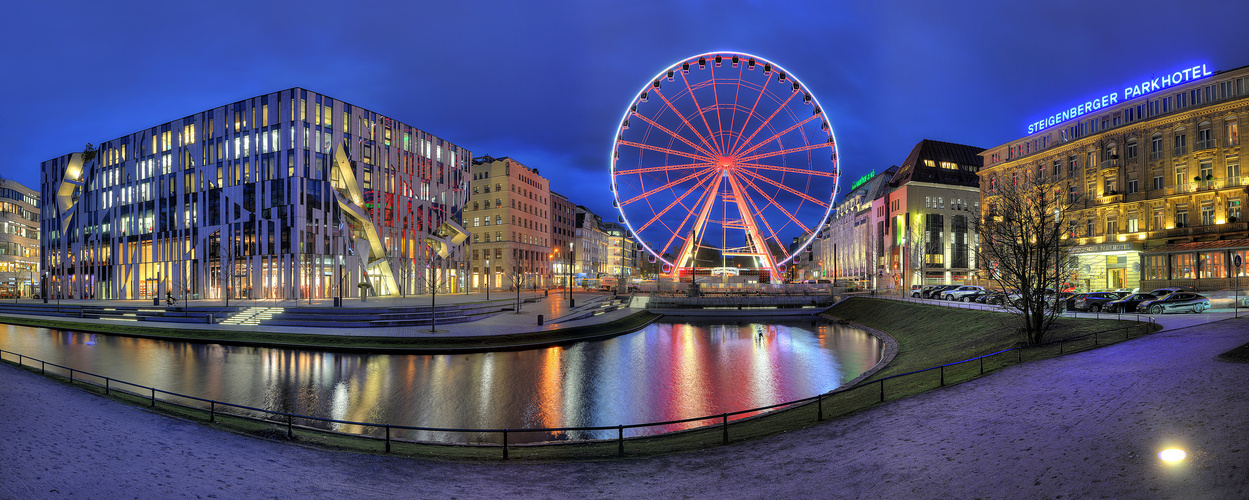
x=727 y=152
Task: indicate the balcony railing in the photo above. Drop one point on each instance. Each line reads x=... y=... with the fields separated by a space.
x=1157 y=155
x=1180 y=150
x=1206 y=144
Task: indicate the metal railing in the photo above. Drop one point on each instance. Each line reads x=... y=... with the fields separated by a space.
x=292 y=422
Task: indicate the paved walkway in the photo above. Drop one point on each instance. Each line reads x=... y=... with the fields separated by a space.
x=1086 y=425
x=553 y=308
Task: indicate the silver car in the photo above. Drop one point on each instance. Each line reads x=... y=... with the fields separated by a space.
x=1175 y=302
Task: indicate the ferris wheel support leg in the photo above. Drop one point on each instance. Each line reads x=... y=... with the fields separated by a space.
x=752 y=229
x=691 y=244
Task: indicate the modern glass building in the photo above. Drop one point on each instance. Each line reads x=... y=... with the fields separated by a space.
x=286 y=195
x=19 y=239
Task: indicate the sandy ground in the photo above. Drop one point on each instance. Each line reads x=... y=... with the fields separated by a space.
x=1087 y=425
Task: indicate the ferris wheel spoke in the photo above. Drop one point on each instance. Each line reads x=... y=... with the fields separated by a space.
x=640 y=145
x=652 y=191
x=773 y=202
x=700 y=110
x=684 y=120
x=715 y=93
x=674 y=134
x=755 y=207
x=748 y=209
x=737 y=94
x=674 y=203
x=793 y=191
x=776 y=135
x=779 y=152
x=664 y=168
x=762 y=125
x=764 y=166
x=746 y=121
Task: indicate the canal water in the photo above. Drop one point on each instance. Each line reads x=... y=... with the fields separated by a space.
x=666 y=371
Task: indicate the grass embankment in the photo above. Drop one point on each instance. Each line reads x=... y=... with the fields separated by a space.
x=351 y=343
x=927 y=336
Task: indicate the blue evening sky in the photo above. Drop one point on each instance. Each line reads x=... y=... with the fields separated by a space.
x=546 y=81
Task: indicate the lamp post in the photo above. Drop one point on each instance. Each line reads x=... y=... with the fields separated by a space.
x=488 y=272
x=571 y=302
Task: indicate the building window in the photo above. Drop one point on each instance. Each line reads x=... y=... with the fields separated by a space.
x=1207 y=215
x=1112 y=227
x=1205 y=136
x=1132 y=188
x=1155 y=148
x=1157 y=225
x=1182 y=266
x=1181 y=217
x=1181 y=177
x=1231 y=134
x=1233 y=174
x=1181 y=144
x=1155 y=267
x=1212 y=265
x=1207 y=171
x=1057 y=168
x=1233 y=210
x=1133 y=224
x=1130 y=152
x=1090 y=227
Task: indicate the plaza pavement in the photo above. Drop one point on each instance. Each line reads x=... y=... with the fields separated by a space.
x=552 y=306
x=1084 y=425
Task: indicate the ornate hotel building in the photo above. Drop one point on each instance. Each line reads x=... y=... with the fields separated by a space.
x=286 y=195
x=1155 y=174
x=846 y=247
x=19 y=239
x=510 y=221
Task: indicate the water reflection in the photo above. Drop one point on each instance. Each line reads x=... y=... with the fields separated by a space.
x=667 y=371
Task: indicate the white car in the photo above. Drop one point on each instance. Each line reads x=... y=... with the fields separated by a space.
x=961 y=291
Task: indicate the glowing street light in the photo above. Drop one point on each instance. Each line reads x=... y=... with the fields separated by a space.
x=1172 y=455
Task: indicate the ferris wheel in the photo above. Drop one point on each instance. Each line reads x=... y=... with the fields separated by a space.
x=725 y=152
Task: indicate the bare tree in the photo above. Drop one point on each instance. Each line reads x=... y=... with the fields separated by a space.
x=1023 y=231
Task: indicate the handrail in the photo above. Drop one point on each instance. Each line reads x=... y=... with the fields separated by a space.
x=723 y=417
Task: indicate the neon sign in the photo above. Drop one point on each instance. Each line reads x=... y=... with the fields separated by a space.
x=863 y=179
x=1184 y=75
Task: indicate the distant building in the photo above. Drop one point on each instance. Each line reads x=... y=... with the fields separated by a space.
x=848 y=248
x=924 y=217
x=563 y=232
x=19 y=239
x=622 y=251
x=286 y=195
x=590 y=248
x=509 y=217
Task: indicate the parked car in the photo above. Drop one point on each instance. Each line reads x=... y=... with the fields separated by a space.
x=935 y=293
x=1047 y=295
x=1128 y=303
x=1096 y=301
x=922 y=292
x=1175 y=302
x=1162 y=292
x=974 y=296
x=960 y=292
x=995 y=298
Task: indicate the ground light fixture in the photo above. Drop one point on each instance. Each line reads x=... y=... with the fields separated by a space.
x=1172 y=455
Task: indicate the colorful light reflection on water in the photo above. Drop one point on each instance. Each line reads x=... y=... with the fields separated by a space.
x=667 y=371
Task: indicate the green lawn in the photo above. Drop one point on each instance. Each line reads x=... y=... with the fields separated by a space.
x=927 y=336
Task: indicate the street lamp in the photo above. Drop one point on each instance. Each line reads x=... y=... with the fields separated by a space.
x=488 y=271
x=571 y=303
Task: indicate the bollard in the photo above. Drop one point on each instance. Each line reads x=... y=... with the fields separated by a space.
x=539 y=320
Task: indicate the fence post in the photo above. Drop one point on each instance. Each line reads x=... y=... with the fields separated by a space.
x=42 y=365
x=290 y=426
x=942 y=375
x=153 y=397
x=19 y=361
x=819 y=402
x=387 y=438
x=106 y=390
x=620 y=440
x=212 y=411
x=724 y=417
x=1060 y=346
x=505 y=444
x=982 y=365
x=71 y=376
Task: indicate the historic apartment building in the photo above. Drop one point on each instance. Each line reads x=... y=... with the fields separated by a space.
x=622 y=252
x=1154 y=172
x=590 y=248
x=290 y=194
x=509 y=217
x=19 y=240
x=563 y=232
